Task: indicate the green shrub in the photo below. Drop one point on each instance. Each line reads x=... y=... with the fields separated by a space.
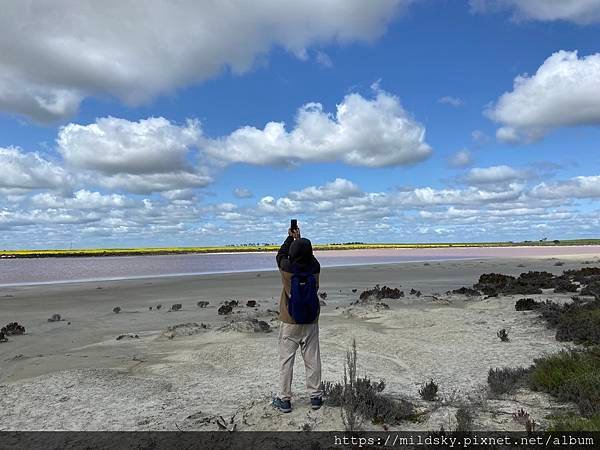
x=572 y=375
x=576 y=423
x=580 y=325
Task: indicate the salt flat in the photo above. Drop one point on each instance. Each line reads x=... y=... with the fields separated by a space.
x=75 y=375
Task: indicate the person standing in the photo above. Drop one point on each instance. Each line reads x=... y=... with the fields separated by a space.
x=299 y=318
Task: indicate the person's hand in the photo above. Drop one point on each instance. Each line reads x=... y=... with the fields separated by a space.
x=294 y=233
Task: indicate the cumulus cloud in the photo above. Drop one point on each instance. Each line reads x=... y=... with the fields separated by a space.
x=428 y=196
x=506 y=211
x=462 y=158
x=333 y=190
x=57 y=53
x=82 y=199
x=564 y=92
x=150 y=155
x=363 y=132
x=452 y=101
x=578 y=11
x=112 y=145
x=494 y=175
x=577 y=187
x=26 y=171
x=154 y=182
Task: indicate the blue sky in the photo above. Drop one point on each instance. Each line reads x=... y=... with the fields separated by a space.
x=386 y=121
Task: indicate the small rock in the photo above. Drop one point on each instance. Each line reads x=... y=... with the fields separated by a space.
x=128 y=336
x=184 y=329
x=224 y=310
x=13 y=328
x=264 y=326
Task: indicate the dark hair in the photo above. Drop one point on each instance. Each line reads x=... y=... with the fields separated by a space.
x=301 y=251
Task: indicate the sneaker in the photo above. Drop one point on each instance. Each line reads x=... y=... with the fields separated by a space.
x=282 y=405
x=316 y=402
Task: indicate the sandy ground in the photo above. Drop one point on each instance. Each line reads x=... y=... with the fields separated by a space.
x=75 y=375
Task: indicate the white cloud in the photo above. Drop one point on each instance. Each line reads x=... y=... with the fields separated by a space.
x=112 y=145
x=578 y=11
x=242 y=193
x=323 y=59
x=462 y=158
x=494 y=175
x=148 y=183
x=479 y=137
x=507 y=211
x=363 y=132
x=146 y=156
x=25 y=171
x=564 y=92
x=82 y=199
x=333 y=190
x=57 y=53
x=452 y=101
x=578 y=187
x=428 y=196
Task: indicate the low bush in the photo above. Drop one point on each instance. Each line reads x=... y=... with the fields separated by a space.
x=526 y=304
x=469 y=292
x=592 y=289
x=464 y=419
x=578 y=321
x=507 y=379
x=563 y=284
x=575 y=423
x=570 y=375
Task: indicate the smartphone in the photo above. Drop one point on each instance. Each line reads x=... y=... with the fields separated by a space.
x=294 y=224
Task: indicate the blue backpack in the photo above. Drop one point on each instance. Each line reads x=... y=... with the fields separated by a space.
x=304 y=302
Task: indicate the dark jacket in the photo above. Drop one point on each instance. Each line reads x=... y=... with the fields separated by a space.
x=301 y=255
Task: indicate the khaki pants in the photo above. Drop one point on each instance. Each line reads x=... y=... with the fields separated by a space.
x=307 y=337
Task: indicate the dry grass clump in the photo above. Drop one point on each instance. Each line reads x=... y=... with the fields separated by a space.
x=429 y=391
x=360 y=399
